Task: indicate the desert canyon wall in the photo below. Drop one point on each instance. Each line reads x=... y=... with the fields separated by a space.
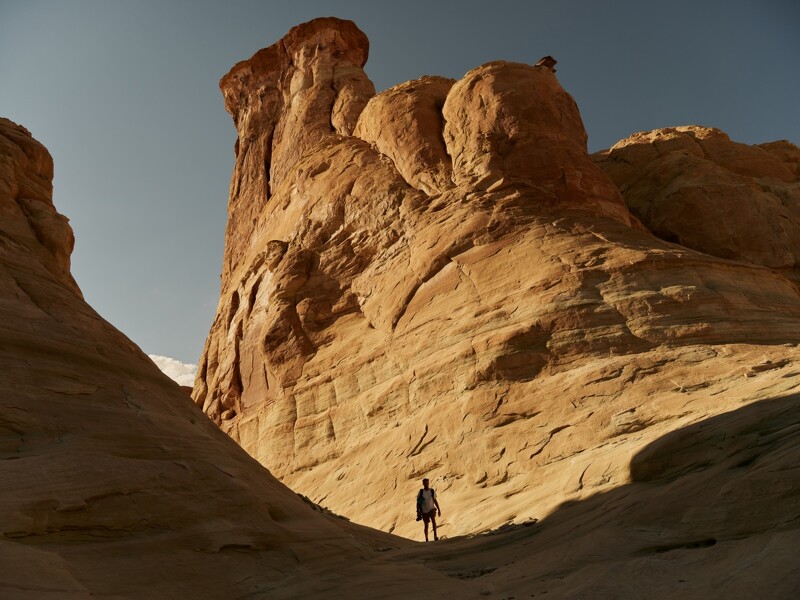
x=438 y=280
x=114 y=484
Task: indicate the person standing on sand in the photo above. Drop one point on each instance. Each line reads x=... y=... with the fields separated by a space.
x=427 y=506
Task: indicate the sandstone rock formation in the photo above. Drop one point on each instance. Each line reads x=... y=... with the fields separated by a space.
x=695 y=187
x=510 y=331
x=114 y=483
x=26 y=176
x=453 y=288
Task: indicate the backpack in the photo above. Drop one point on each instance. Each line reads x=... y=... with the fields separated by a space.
x=420 y=500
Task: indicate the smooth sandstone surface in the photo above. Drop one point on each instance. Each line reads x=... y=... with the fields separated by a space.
x=457 y=290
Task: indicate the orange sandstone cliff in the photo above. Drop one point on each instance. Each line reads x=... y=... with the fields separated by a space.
x=439 y=281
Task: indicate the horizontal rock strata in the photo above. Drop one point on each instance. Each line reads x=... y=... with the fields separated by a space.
x=617 y=412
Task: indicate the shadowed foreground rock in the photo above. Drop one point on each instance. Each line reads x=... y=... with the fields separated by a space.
x=452 y=287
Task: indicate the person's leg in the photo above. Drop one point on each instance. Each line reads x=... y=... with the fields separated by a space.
x=425 y=520
x=433 y=522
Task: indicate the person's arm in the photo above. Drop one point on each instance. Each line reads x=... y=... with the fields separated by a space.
x=436 y=502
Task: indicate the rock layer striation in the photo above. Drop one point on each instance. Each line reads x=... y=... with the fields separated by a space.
x=508 y=330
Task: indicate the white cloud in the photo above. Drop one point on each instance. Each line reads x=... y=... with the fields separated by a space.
x=181 y=372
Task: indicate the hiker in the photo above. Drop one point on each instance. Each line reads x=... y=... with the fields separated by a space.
x=427 y=506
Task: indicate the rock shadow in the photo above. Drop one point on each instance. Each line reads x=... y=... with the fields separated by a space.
x=712 y=510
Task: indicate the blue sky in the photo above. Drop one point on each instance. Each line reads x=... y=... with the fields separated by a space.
x=125 y=97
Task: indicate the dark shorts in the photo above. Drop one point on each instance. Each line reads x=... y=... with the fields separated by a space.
x=427 y=516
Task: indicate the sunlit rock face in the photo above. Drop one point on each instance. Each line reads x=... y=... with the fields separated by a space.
x=698 y=188
x=114 y=483
x=439 y=281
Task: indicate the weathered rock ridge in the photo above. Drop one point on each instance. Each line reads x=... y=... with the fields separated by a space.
x=439 y=280
x=29 y=218
x=698 y=188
